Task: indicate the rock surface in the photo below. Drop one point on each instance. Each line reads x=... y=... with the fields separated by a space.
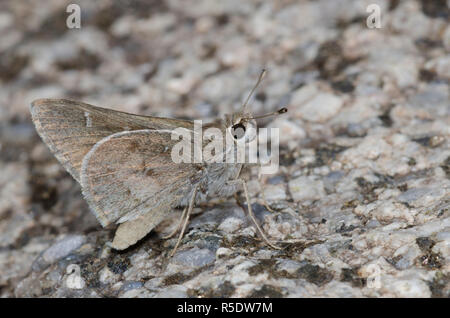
x=362 y=197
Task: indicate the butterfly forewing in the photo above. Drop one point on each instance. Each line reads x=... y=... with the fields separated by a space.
x=71 y=129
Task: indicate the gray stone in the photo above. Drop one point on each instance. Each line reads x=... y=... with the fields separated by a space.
x=306 y=188
x=195 y=257
x=59 y=250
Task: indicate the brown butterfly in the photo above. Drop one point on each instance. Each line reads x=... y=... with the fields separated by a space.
x=124 y=166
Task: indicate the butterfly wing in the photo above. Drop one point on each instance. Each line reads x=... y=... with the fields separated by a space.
x=71 y=129
x=130 y=174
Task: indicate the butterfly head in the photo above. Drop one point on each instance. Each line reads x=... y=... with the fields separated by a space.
x=241 y=125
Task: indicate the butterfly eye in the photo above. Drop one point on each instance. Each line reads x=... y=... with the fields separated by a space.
x=238 y=131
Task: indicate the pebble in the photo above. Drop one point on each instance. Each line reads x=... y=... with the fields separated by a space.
x=173 y=291
x=290 y=133
x=195 y=257
x=231 y=225
x=59 y=250
x=274 y=192
x=408 y=286
x=312 y=105
x=306 y=188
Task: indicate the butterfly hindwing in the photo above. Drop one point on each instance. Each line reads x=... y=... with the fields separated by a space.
x=130 y=174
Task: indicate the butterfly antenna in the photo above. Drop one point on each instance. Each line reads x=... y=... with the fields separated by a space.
x=278 y=112
x=261 y=76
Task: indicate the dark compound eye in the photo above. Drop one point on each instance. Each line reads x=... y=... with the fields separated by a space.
x=238 y=131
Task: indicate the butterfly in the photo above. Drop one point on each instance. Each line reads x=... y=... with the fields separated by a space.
x=124 y=163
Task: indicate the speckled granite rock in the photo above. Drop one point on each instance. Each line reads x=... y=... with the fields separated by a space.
x=362 y=196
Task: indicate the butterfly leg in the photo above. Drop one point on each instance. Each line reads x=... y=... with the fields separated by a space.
x=252 y=216
x=188 y=214
x=178 y=226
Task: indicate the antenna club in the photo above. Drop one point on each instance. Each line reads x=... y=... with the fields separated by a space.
x=282 y=110
x=263 y=72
